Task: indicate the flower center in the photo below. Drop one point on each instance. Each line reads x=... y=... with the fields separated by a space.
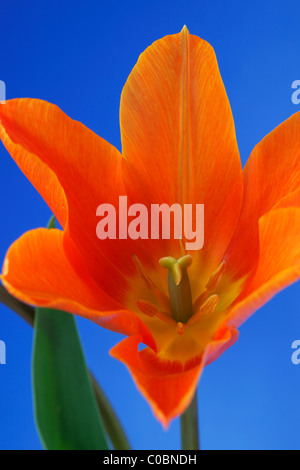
x=178 y=309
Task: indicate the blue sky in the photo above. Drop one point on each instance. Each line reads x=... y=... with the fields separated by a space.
x=78 y=55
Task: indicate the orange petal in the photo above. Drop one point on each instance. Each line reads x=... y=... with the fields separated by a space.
x=272 y=179
x=37 y=271
x=37 y=171
x=278 y=264
x=75 y=171
x=224 y=338
x=291 y=200
x=168 y=385
x=178 y=135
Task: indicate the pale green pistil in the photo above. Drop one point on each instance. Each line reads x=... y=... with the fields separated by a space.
x=179 y=287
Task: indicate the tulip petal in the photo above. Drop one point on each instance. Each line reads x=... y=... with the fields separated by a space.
x=178 y=135
x=75 y=171
x=271 y=180
x=38 y=172
x=224 y=338
x=166 y=386
x=37 y=271
x=169 y=386
x=278 y=264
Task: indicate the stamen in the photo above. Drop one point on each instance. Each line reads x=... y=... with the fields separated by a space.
x=182 y=247
x=207 y=308
x=200 y=300
x=211 y=286
x=215 y=277
x=146 y=307
x=142 y=272
x=161 y=297
x=210 y=304
x=151 y=311
x=164 y=316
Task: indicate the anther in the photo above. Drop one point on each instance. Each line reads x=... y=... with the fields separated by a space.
x=180 y=328
x=210 y=304
x=215 y=277
x=142 y=272
x=208 y=307
x=147 y=307
x=151 y=311
x=161 y=297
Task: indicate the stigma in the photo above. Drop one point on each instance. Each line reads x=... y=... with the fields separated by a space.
x=179 y=287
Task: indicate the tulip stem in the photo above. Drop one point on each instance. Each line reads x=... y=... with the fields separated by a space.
x=189 y=426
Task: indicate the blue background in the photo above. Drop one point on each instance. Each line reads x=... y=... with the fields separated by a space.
x=78 y=55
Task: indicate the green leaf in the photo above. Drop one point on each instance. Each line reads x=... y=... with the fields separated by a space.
x=65 y=406
x=111 y=422
x=52 y=222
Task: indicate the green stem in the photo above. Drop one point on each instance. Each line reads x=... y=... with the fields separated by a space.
x=109 y=418
x=24 y=311
x=189 y=427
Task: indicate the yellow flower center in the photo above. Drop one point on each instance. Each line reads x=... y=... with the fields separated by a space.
x=178 y=309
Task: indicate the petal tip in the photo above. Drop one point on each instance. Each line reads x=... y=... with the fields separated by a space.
x=185 y=30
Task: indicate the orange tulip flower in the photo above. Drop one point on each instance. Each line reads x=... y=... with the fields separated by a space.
x=178 y=146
